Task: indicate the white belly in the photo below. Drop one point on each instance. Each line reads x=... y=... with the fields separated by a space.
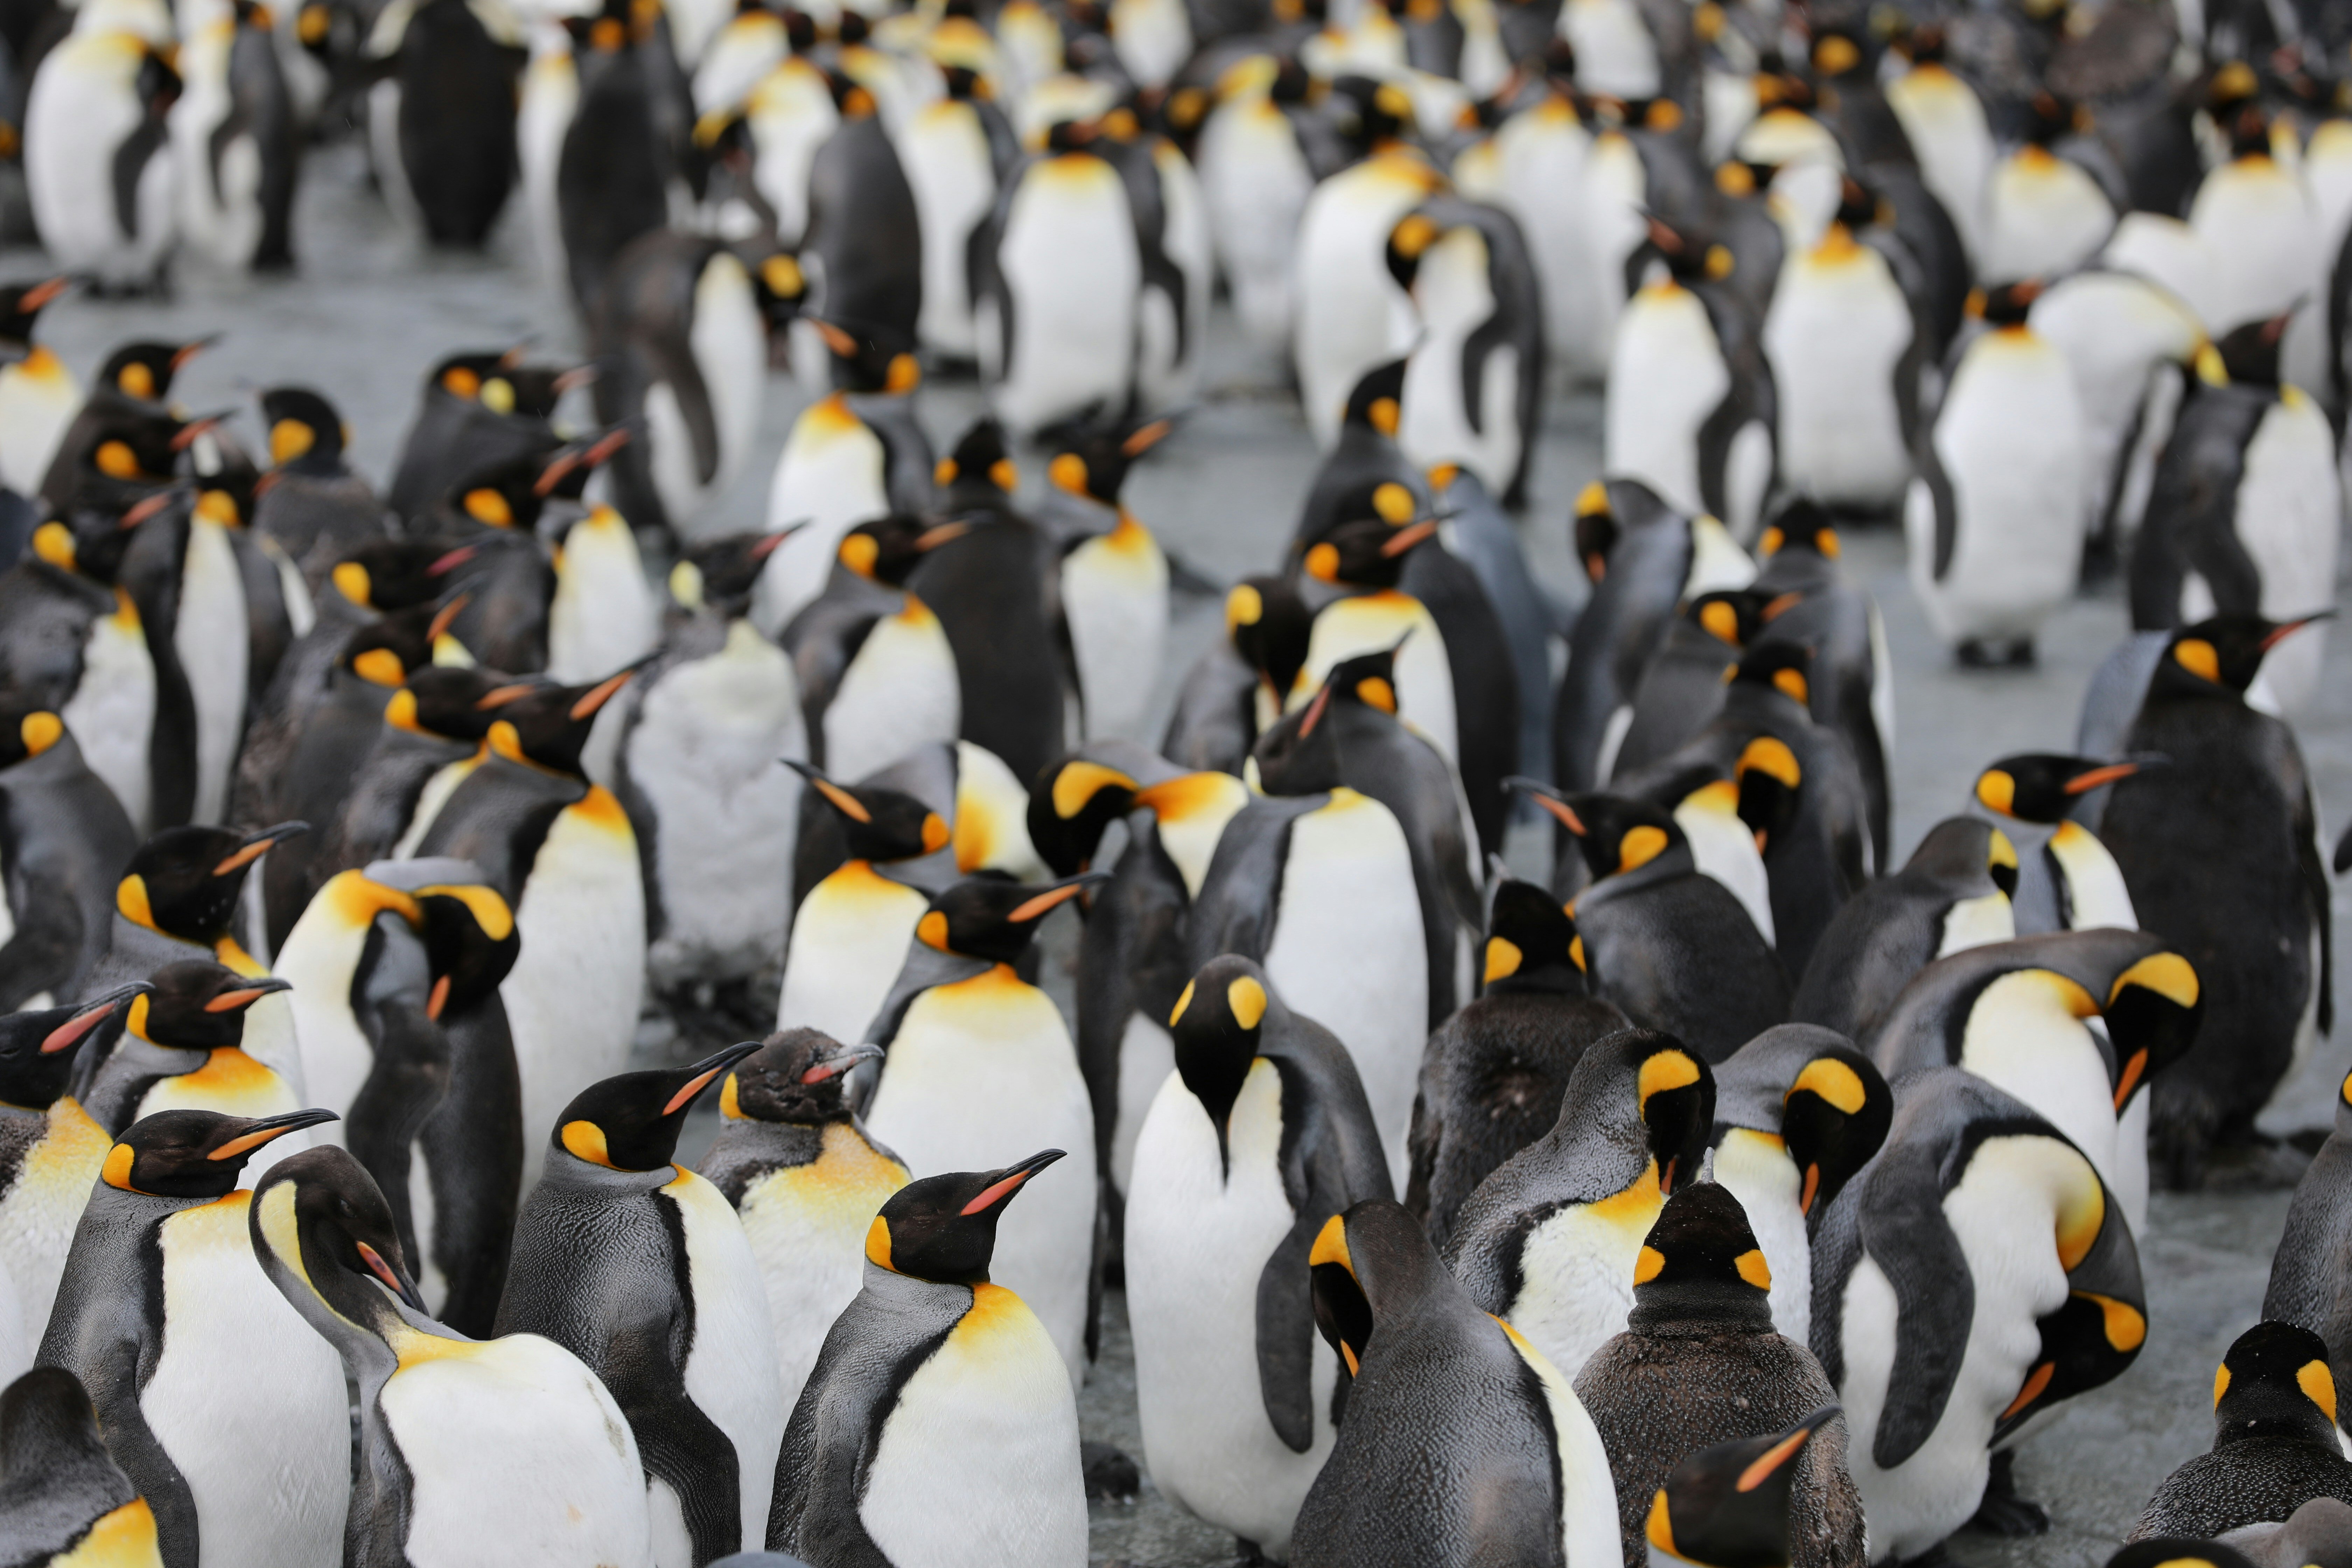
x=1723 y=847
x=2290 y=512
x=899 y=694
x=849 y=942
x=1197 y=1240
x=982 y=1073
x=1350 y=313
x=1069 y=263
x=1348 y=952
x=1666 y=377
x=84 y=103
x=603 y=616
x=213 y=640
x=830 y=478
x=1257 y=183
x=1756 y=1168
x=730 y=346
x=1456 y=298
x=2094 y=883
x=113 y=711
x=1115 y=596
x=38 y=398
x=1973 y=922
x=247 y=1400
x=320 y=960
x=1838 y=327
x=2044 y=217
x=807 y=1226
x=2020 y=1042
x=2257 y=221
x=730 y=1367
x=948 y=167
x=1611 y=37
x=1542 y=154
x=1577 y=1275
x=45 y=1202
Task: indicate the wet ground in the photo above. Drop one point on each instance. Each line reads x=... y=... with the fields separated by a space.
x=369 y=313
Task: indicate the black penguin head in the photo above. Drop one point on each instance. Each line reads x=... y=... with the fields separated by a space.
x=1691 y=253
x=320 y=1222
x=36 y=1049
x=987 y=918
x=1734 y=617
x=549 y=725
x=777 y=282
x=386 y=574
x=1093 y=461
x=133 y=445
x=2224 y=653
x=1838 y=52
x=610 y=31
x=720 y=574
x=1858 y=206
x=304 y=428
x=1370 y=114
x=1727 y=1506
x=865 y=360
x=631 y=1120
x=565 y=474
x=1299 y=753
x=886 y=550
x=979 y=471
x=2153 y=1012
x=186 y=882
x=2005 y=304
x=2043 y=786
x=1409 y=241
x=459 y=702
x=1214 y=1025
x=1613 y=833
x=1366 y=1264
x=796 y=1076
x=145 y=370
x=2049 y=116
x=502 y=495
x=2276 y=1383
x=1700 y=1260
x=195 y=1154
x=1072 y=805
x=1270 y=626
x=2176 y=1552
x=390 y=648
x=196 y=1005
x=27 y=729
x=470 y=945
x=943 y=1228
x=1674 y=1096
x=2249 y=352
x=1802 y=525
x=1378 y=401
x=1605 y=509
x=1833 y=1117
x=1531 y=941
x=1368 y=551
x=20 y=308
x=880 y=824
x=501 y=383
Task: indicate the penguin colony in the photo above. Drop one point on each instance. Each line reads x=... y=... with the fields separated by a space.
x=1725 y=1194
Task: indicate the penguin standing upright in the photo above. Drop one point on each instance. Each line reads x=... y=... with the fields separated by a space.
x=1994 y=520
x=61 y=1496
x=441 y=120
x=236 y=136
x=64 y=841
x=613 y=170
x=851 y=928
x=1699 y=1363
x=863 y=252
x=2218 y=852
x=1945 y=123
x=1974 y=1275
x=2043 y=212
x=1176 y=262
x=181 y=1048
x=1256 y=176
x=39 y=396
x=638 y=1266
x=2073 y=884
x=977 y=1056
x=1473 y=383
x=2275 y=1442
x=1260 y=1138
x=954 y=151
x=794 y=1160
x=1683 y=687
x=1112 y=582
x=936 y=1422
x=1549 y=1242
x=876 y=673
x=1493 y=1074
x=166 y=1312
x=1239 y=683
x=97 y=161
x=460 y=1440
x=1523 y=1476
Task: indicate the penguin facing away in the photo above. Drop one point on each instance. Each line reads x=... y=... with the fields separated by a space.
x=2274 y=1441
x=66 y=841
x=62 y=1499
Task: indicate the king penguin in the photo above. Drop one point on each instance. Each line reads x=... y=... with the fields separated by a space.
x=39 y=396
x=1112 y=578
x=165 y=1310
x=63 y=837
x=97 y=161
x=2305 y=1288
x=2073 y=884
x=1473 y=383
x=1260 y=1138
x=182 y=1048
x=62 y=1499
x=877 y=675
x=2275 y=1442
x=939 y=1420
x=1731 y=1504
x=689 y=1353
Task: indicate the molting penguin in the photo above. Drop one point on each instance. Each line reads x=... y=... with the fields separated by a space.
x=2073 y=884
x=1260 y=1138
x=458 y=1439
x=794 y=1160
x=2218 y=852
x=1493 y=1074
x=1473 y=383
x=1550 y=1241
x=62 y=1499
x=2274 y=1441
x=165 y=1312
x=64 y=841
x=98 y=163
x=877 y=675
x=1523 y=1476
x=937 y=1418
x=978 y=1057
x=638 y=1266
x=1975 y=1274
x=2306 y=1287
x=1699 y=1364
x=1953 y=894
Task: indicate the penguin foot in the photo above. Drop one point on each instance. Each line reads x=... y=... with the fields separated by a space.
x=1111 y=1476
x=1996 y=653
x=2005 y=1510
x=1247 y=1554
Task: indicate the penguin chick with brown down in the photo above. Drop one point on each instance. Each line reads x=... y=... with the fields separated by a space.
x=2274 y=1443
x=1699 y=1364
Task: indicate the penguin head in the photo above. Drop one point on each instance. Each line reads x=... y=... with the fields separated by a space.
x=2043 y=786
x=1727 y=1506
x=565 y=474
x=980 y=472
x=631 y=1120
x=2276 y=1383
x=548 y=724
x=186 y=881
x=1859 y=207
x=20 y=307
x=886 y=550
x=27 y=728
x=458 y=702
x=37 y=1049
x=1799 y=525
x=1692 y=255
x=1369 y=1262
x=196 y=1005
x=195 y=1154
x=865 y=360
x=1838 y=52
x=612 y=30
x=1072 y=805
x=1613 y=833
x=503 y=495
x=992 y=919
x=388 y=650
x=1734 y=617
x=326 y=1238
x=2153 y=1012
x=134 y=444
x=1370 y=114
x=1605 y=511
x=1700 y=1260
x=778 y=283
x=797 y=1076
x=1215 y=1026
x=1092 y=462
x=145 y=370
x=1531 y=941
x=1369 y=550
x=471 y=943
x=1270 y=626
x=720 y=574
x=2050 y=116
x=1299 y=754
x=2224 y=653
x=93 y=532
x=1673 y=1092
x=882 y=825
x=304 y=430
x=2249 y=352
x=2176 y=1552
x=2005 y=304
x=1409 y=241
x=386 y=574
x=1833 y=1116
x=503 y=384
x=943 y=1228
x=1377 y=403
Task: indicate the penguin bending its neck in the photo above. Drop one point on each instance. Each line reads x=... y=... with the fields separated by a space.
x=939 y=1424
x=638 y=1266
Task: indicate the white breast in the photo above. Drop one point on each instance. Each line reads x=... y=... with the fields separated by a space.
x=2258 y=225
x=2044 y=215
x=901 y=692
x=247 y=1400
x=791 y=116
x=1197 y=1240
x=1666 y=377
x=1154 y=39
x=1350 y=313
x=1541 y=152
x=2022 y=1038
x=2290 y=506
x=1348 y=950
x=514 y=1440
x=1838 y=327
x=807 y=1226
x=2094 y=883
x=735 y=60
x=2115 y=332
x=1973 y=922
x=731 y=1366
x=1588 y=1517
x=1069 y=263
x=1757 y=1169
x=946 y=157
x=1115 y=596
x=1147 y=1055
x=1577 y=1273
x=1456 y=297
x=213 y=640
x=1257 y=183
x=43 y=1205
x=1615 y=52
x=82 y=106
x=604 y=615
x=1947 y=127
x=113 y=711
x=849 y=940
x=551 y=97
x=1369 y=623
x=980 y=1072
x=1724 y=847
x=1608 y=201
x=830 y=478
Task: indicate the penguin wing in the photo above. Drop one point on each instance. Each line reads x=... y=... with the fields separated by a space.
x=1903 y=1230
x=50 y=934
x=1242 y=893
x=2191 y=510
x=2312 y=865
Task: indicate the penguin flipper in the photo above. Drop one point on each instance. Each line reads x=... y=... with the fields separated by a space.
x=1286 y=1337
x=40 y=955
x=683 y=1448
x=405 y=1083
x=2313 y=870
x=112 y=1378
x=1904 y=1231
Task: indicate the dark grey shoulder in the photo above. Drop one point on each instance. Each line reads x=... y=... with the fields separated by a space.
x=1239 y=897
x=745 y=1151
